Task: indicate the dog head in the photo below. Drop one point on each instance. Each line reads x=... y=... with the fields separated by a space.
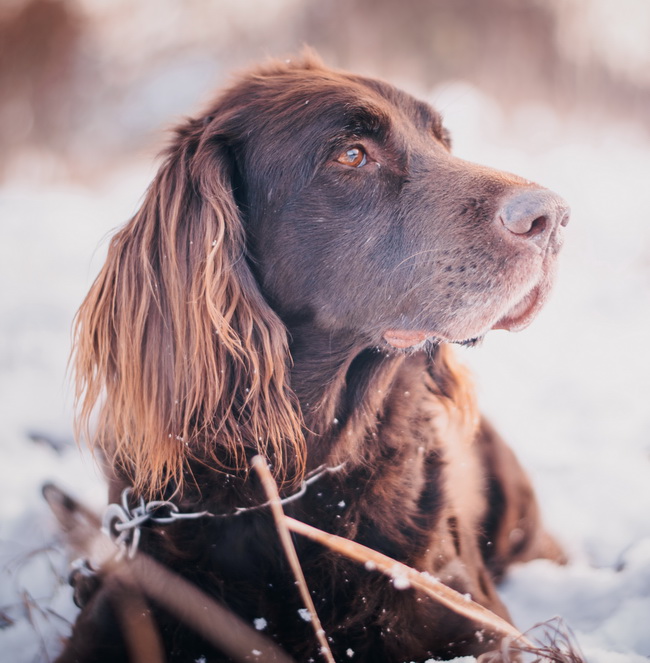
x=359 y=216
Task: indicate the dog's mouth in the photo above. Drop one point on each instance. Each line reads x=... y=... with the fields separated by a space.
x=516 y=318
x=522 y=314
x=402 y=339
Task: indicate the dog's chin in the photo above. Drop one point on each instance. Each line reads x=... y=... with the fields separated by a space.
x=525 y=310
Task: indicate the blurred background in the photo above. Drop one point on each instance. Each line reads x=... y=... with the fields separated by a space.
x=557 y=91
x=86 y=83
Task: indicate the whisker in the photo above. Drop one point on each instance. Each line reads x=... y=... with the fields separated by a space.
x=415 y=255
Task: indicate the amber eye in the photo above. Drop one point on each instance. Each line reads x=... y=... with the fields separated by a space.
x=355 y=157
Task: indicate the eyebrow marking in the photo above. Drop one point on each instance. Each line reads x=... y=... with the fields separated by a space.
x=366 y=120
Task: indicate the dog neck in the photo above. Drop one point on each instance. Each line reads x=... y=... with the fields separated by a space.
x=342 y=386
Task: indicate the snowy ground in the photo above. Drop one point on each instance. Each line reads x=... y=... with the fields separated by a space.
x=571 y=394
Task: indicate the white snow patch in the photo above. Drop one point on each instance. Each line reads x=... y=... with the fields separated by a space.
x=401 y=582
x=260 y=623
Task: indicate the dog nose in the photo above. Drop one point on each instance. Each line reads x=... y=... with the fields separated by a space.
x=533 y=214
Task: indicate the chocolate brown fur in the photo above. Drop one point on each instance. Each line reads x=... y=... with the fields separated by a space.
x=245 y=310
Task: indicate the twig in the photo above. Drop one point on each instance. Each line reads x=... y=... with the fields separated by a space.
x=143 y=641
x=556 y=642
x=32 y=607
x=191 y=606
x=268 y=482
x=194 y=607
x=457 y=602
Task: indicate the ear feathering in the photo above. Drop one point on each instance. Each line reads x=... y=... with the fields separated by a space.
x=175 y=346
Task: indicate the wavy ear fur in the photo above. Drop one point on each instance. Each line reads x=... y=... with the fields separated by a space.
x=174 y=342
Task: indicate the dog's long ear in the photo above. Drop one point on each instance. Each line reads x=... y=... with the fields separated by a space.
x=174 y=341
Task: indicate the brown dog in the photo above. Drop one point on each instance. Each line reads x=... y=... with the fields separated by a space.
x=290 y=287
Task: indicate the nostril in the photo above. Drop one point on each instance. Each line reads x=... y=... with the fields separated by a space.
x=524 y=225
x=532 y=214
x=565 y=219
x=537 y=227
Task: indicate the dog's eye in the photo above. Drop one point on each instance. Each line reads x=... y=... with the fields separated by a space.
x=355 y=157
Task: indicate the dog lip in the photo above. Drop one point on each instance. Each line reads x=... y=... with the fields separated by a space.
x=403 y=339
x=516 y=318
x=522 y=314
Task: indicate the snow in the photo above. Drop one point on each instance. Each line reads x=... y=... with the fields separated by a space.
x=305 y=615
x=401 y=582
x=571 y=394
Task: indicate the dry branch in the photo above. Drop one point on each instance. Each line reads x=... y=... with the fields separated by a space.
x=459 y=603
x=289 y=550
x=227 y=631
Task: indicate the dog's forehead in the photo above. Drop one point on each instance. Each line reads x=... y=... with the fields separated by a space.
x=332 y=99
x=418 y=111
x=372 y=101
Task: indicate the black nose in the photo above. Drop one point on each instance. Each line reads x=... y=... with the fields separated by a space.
x=533 y=214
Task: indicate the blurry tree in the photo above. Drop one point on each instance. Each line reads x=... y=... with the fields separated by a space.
x=38 y=41
x=516 y=49
x=92 y=80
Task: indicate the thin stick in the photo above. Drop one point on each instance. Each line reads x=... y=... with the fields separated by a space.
x=141 y=636
x=216 y=623
x=285 y=537
x=457 y=602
